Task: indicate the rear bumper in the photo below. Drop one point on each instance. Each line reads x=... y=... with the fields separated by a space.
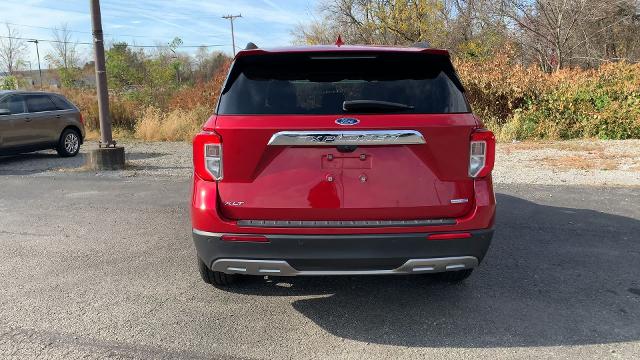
x=291 y=255
x=205 y=216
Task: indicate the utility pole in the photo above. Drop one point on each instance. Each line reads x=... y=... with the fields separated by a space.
x=37 y=52
x=233 y=38
x=107 y=156
x=106 y=138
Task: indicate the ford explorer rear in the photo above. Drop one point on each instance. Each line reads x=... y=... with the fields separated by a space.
x=339 y=160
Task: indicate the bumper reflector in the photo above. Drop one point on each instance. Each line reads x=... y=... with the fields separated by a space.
x=245 y=238
x=464 y=235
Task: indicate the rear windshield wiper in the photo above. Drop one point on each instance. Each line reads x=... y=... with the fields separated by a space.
x=374 y=105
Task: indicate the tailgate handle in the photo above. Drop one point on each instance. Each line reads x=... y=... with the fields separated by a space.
x=346 y=138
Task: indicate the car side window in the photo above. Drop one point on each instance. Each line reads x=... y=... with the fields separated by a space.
x=39 y=103
x=15 y=104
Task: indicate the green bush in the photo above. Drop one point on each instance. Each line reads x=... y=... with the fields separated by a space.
x=525 y=103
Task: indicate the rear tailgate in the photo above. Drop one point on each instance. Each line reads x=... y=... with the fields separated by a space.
x=374 y=182
x=288 y=157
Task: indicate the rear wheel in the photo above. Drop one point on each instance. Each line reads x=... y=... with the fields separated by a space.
x=215 y=278
x=455 y=276
x=69 y=143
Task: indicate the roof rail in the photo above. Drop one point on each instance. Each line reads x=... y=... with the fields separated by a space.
x=251 y=46
x=422 y=45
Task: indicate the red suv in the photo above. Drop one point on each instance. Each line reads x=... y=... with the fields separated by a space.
x=342 y=160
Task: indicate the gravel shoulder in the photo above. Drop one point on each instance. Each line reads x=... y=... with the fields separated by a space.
x=580 y=162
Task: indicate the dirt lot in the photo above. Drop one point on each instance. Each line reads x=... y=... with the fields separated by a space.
x=543 y=163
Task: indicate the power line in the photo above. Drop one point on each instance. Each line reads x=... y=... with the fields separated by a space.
x=73 y=31
x=129 y=45
x=84 y=32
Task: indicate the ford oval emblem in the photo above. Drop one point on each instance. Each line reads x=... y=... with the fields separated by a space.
x=347 y=121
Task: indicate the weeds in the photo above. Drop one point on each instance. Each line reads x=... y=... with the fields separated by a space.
x=517 y=103
x=175 y=125
x=525 y=103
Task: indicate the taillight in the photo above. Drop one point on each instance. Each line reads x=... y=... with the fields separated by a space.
x=207 y=156
x=81 y=119
x=482 y=153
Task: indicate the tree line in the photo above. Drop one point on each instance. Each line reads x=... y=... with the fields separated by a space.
x=552 y=34
x=129 y=68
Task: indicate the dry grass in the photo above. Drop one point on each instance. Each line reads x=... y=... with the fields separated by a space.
x=175 y=125
x=579 y=146
x=593 y=160
x=123 y=112
x=118 y=133
x=581 y=163
x=576 y=154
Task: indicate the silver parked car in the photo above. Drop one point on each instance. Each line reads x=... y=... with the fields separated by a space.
x=32 y=121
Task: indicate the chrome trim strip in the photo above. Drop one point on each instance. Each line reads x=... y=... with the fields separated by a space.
x=346 y=137
x=282 y=268
x=333 y=224
x=205 y=233
x=344 y=223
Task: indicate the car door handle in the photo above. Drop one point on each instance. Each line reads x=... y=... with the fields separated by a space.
x=27 y=119
x=58 y=116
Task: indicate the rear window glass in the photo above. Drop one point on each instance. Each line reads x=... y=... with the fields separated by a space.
x=320 y=84
x=61 y=103
x=38 y=103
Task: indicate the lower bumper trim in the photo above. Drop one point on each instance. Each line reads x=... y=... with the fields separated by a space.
x=282 y=268
x=344 y=223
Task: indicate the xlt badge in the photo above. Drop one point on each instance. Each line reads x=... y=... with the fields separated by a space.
x=234 y=203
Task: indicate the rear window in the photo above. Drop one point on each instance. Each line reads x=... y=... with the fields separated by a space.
x=61 y=103
x=321 y=83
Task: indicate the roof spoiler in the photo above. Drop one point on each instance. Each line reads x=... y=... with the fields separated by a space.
x=426 y=48
x=422 y=45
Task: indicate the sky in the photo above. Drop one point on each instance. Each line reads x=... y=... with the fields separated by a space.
x=148 y=22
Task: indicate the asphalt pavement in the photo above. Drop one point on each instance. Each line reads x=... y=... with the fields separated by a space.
x=104 y=267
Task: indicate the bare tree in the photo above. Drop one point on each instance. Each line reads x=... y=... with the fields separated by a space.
x=64 y=49
x=64 y=56
x=474 y=29
x=551 y=33
x=558 y=32
x=317 y=32
x=394 y=22
x=548 y=25
x=12 y=50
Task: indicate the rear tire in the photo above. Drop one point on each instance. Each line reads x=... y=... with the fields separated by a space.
x=215 y=278
x=69 y=143
x=455 y=276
